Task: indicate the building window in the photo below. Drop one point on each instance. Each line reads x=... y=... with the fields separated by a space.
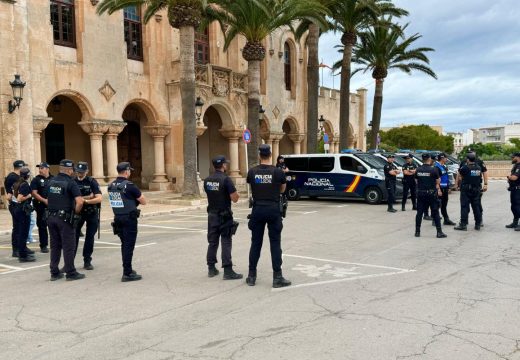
x=133 y=33
x=287 y=66
x=55 y=143
x=63 y=24
x=202 y=47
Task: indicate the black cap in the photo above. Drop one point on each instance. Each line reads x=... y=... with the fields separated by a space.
x=390 y=156
x=82 y=167
x=25 y=171
x=66 y=163
x=471 y=157
x=264 y=150
x=19 y=163
x=219 y=160
x=408 y=156
x=516 y=154
x=43 y=165
x=426 y=156
x=441 y=156
x=122 y=166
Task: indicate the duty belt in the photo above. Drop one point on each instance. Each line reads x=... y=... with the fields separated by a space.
x=265 y=202
x=429 y=192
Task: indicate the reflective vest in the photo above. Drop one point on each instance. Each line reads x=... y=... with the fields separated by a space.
x=58 y=195
x=445 y=178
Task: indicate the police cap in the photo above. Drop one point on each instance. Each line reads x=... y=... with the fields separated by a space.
x=25 y=171
x=82 y=167
x=19 y=164
x=43 y=165
x=426 y=156
x=123 y=166
x=471 y=157
x=66 y=163
x=516 y=154
x=441 y=156
x=390 y=156
x=408 y=156
x=264 y=150
x=219 y=160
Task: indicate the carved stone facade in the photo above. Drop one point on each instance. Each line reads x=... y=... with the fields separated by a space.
x=110 y=108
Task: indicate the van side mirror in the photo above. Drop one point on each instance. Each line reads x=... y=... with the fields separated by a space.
x=361 y=169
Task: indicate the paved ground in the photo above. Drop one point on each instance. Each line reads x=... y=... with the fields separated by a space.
x=364 y=288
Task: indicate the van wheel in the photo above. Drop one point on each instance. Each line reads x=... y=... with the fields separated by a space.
x=373 y=196
x=293 y=194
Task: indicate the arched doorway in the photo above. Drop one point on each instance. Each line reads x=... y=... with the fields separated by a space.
x=289 y=127
x=132 y=140
x=211 y=143
x=64 y=138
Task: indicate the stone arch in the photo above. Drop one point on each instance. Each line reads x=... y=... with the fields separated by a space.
x=293 y=125
x=265 y=128
x=225 y=111
x=152 y=118
x=286 y=36
x=290 y=129
x=81 y=101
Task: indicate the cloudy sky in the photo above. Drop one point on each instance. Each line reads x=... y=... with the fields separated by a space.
x=477 y=60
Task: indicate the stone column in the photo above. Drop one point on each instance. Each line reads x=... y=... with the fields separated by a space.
x=297 y=141
x=275 y=149
x=233 y=135
x=39 y=124
x=95 y=129
x=158 y=132
x=114 y=129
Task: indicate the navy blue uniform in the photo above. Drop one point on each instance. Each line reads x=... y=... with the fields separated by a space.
x=471 y=193
x=265 y=181
x=89 y=215
x=409 y=185
x=123 y=195
x=391 y=183
x=218 y=188
x=426 y=177
x=8 y=185
x=514 y=188
x=445 y=188
x=39 y=184
x=22 y=215
x=62 y=191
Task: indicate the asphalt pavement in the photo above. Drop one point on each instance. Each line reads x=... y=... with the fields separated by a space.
x=364 y=288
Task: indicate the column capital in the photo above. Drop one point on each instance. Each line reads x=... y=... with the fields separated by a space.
x=297 y=137
x=40 y=123
x=201 y=129
x=94 y=127
x=115 y=127
x=231 y=133
x=159 y=131
x=276 y=136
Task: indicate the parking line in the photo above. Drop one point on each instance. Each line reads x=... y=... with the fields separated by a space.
x=10 y=267
x=347 y=263
x=172 y=228
x=309 y=212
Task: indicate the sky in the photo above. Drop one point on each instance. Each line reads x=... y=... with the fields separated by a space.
x=476 y=58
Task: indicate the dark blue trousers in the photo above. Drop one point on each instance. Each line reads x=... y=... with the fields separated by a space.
x=260 y=217
x=88 y=246
x=128 y=236
x=23 y=222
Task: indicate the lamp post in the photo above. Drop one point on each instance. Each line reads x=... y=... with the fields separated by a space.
x=17 y=85
x=198 y=109
x=261 y=112
x=321 y=121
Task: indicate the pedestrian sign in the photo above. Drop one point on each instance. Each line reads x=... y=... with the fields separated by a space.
x=246 y=136
x=326 y=138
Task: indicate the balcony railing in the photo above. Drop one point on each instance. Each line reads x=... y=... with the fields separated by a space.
x=222 y=81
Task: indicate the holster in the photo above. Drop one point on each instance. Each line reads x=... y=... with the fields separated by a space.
x=226 y=222
x=27 y=207
x=283 y=204
x=135 y=214
x=115 y=228
x=251 y=202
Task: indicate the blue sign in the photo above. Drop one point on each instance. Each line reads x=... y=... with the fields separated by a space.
x=326 y=138
x=246 y=135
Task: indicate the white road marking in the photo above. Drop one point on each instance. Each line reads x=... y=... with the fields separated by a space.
x=347 y=263
x=101 y=242
x=24 y=269
x=143 y=245
x=384 y=251
x=172 y=228
x=309 y=212
x=10 y=267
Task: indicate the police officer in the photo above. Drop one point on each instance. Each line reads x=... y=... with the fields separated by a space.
x=220 y=191
x=9 y=181
x=280 y=163
x=22 y=214
x=92 y=198
x=514 y=188
x=391 y=173
x=124 y=199
x=64 y=206
x=409 y=182
x=469 y=180
x=440 y=164
x=39 y=194
x=267 y=183
x=484 y=170
x=428 y=189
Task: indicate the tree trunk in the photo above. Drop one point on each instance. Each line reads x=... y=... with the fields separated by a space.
x=187 y=82
x=253 y=105
x=376 y=111
x=344 y=104
x=313 y=83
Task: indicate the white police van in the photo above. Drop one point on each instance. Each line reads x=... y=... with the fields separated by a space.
x=351 y=175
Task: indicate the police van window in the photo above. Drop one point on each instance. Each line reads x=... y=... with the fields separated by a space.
x=350 y=164
x=372 y=160
x=320 y=164
x=297 y=164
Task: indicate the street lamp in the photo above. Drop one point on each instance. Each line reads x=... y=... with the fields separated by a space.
x=261 y=112
x=198 y=108
x=17 y=85
x=321 y=121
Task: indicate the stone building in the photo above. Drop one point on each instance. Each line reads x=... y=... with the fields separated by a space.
x=105 y=89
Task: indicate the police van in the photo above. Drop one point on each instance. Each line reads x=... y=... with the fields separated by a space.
x=354 y=175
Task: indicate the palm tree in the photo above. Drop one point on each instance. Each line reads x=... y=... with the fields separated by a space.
x=185 y=15
x=351 y=17
x=314 y=32
x=255 y=20
x=383 y=48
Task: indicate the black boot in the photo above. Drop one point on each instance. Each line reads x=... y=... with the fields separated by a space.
x=212 y=271
x=230 y=274
x=391 y=209
x=461 y=226
x=447 y=221
x=427 y=217
x=403 y=208
x=251 y=278
x=440 y=234
x=513 y=225
x=279 y=281
x=88 y=265
x=477 y=226
x=417 y=232
x=414 y=207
